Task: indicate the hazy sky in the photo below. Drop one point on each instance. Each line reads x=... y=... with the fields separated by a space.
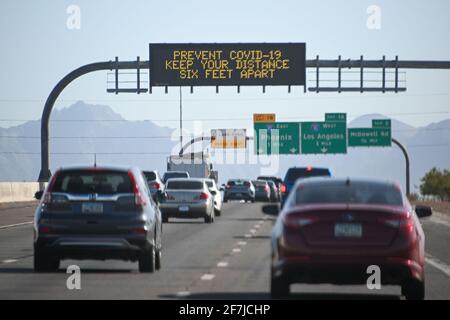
x=37 y=50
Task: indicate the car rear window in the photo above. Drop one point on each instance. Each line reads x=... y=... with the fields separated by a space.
x=301 y=173
x=209 y=184
x=150 y=175
x=259 y=183
x=184 y=185
x=354 y=193
x=172 y=175
x=101 y=182
x=239 y=183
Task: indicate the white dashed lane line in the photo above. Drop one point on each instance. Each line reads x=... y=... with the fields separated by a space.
x=9 y=261
x=222 y=264
x=207 y=277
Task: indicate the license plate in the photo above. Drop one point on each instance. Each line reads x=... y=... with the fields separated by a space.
x=238 y=194
x=91 y=207
x=348 y=230
x=183 y=208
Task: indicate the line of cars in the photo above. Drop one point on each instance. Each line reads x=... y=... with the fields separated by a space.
x=115 y=212
x=264 y=188
x=330 y=230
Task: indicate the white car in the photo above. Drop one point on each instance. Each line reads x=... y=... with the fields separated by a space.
x=212 y=186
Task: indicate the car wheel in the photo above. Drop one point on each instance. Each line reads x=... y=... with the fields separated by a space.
x=279 y=288
x=158 y=259
x=225 y=200
x=217 y=212
x=165 y=219
x=253 y=200
x=209 y=218
x=43 y=262
x=413 y=290
x=147 y=260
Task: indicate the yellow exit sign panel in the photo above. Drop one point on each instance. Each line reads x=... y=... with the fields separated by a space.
x=264 y=117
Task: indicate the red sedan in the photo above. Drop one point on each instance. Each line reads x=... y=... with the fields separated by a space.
x=331 y=230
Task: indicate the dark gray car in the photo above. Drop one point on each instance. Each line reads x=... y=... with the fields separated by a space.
x=97 y=213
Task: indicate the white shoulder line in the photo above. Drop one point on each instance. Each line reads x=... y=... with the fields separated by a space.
x=15 y=225
x=438 y=264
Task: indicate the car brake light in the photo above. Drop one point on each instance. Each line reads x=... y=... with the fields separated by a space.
x=47 y=199
x=404 y=222
x=283 y=188
x=294 y=220
x=156 y=185
x=44 y=230
x=309 y=168
x=202 y=196
x=140 y=231
x=139 y=199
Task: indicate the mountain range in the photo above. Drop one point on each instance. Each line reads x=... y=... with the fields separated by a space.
x=82 y=130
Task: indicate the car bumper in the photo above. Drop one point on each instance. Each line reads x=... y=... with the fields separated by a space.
x=239 y=196
x=195 y=210
x=313 y=270
x=81 y=247
x=262 y=196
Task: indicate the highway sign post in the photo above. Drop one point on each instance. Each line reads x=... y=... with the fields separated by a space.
x=277 y=138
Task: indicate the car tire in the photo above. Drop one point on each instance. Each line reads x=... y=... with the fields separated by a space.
x=165 y=219
x=225 y=200
x=279 y=288
x=413 y=290
x=147 y=260
x=209 y=218
x=253 y=200
x=158 y=259
x=43 y=262
x=217 y=212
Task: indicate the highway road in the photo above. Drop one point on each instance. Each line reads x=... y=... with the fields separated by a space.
x=226 y=260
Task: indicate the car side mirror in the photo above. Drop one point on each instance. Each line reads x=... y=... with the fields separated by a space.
x=271 y=209
x=38 y=195
x=213 y=192
x=423 y=211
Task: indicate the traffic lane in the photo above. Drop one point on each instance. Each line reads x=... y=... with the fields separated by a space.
x=16 y=243
x=17 y=215
x=190 y=250
x=247 y=276
x=437 y=238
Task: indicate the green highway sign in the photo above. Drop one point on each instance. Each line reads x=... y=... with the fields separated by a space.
x=379 y=135
x=340 y=117
x=324 y=137
x=384 y=123
x=277 y=137
x=369 y=137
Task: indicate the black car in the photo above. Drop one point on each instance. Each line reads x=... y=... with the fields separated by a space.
x=175 y=174
x=97 y=213
x=295 y=173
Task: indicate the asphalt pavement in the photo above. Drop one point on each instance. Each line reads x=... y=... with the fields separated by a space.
x=229 y=259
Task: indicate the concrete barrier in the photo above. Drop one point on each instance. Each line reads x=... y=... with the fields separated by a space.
x=18 y=191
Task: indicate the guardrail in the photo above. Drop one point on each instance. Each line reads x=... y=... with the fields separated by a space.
x=18 y=191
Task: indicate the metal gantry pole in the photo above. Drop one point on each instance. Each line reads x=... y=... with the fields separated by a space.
x=405 y=153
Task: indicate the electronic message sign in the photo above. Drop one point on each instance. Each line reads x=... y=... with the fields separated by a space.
x=227 y=64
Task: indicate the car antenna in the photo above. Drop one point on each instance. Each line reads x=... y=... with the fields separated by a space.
x=347 y=182
x=95 y=160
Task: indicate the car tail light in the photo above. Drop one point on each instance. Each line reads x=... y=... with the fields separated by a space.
x=47 y=199
x=309 y=168
x=202 y=196
x=140 y=231
x=283 y=188
x=298 y=221
x=156 y=185
x=404 y=222
x=44 y=230
x=139 y=199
